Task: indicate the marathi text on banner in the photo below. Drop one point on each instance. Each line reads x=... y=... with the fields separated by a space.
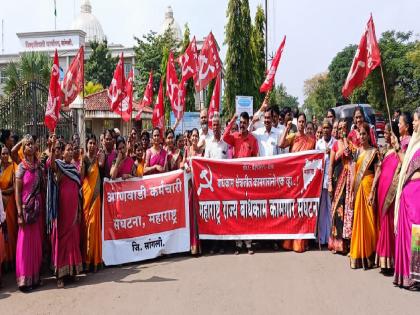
x=258 y=198
x=145 y=217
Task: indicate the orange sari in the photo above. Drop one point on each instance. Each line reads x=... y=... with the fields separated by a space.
x=9 y=204
x=91 y=227
x=299 y=143
x=365 y=225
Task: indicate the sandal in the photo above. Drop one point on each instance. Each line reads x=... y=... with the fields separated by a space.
x=60 y=283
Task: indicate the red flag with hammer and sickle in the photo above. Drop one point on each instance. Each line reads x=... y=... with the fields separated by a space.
x=52 y=112
x=189 y=62
x=116 y=90
x=269 y=80
x=367 y=58
x=174 y=90
x=158 y=117
x=73 y=80
x=209 y=64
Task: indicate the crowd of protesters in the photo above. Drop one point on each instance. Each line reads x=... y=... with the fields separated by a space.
x=51 y=199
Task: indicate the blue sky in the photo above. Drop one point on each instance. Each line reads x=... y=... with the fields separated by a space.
x=316 y=30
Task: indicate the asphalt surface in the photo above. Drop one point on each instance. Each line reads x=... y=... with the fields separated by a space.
x=315 y=282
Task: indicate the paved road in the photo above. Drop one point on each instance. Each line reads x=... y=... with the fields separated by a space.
x=266 y=283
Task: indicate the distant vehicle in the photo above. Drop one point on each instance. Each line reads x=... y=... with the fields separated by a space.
x=379 y=123
x=346 y=112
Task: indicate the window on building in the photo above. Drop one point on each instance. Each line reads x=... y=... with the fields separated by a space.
x=2 y=76
x=109 y=124
x=127 y=69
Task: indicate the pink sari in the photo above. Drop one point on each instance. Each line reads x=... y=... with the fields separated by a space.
x=156 y=159
x=387 y=188
x=126 y=167
x=408 y=214
x=66 y=257
x=29 y=241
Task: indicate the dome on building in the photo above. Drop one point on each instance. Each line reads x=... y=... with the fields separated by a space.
x=88 y=23
x=170 y=23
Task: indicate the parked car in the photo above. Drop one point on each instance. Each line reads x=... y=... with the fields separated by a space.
x=346 y=112
x=379 y=123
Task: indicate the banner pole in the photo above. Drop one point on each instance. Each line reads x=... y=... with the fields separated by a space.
x=386 y=97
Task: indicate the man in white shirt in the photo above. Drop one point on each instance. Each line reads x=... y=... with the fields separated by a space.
x=325 y=144
x=204 y=133
x=216 y=148
x=268 y=136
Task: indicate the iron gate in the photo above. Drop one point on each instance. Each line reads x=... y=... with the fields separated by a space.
x=23 y=112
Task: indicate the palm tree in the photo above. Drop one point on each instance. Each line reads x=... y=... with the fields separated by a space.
x=32 y=66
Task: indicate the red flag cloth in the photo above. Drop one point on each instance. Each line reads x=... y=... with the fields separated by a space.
x=52 y=112
x=73 y=80
x=367 y=58
x=209 y=64
x=214 y=105
x=158 y=117
x=269 y=80
x=148 y=91
x=189 y=62
x=116 y=88
x=126 y=105
x=174 y=91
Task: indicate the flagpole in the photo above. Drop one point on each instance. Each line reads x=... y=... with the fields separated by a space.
x=386 y=97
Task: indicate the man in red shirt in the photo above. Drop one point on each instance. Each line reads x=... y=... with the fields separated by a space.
x=245 y=145
x=243 y=142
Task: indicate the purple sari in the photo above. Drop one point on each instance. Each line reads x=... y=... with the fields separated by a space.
x=408 y=214
x=387 y=188
x=29 y=241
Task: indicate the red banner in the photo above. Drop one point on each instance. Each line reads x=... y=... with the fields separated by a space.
x=258 y=198
x=144 y=218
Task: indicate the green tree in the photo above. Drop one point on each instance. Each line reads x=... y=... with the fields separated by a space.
x=149 y=53
x=190 y=90
x=238 y=78
x=281 y=98
x=338 y=71
x=319 y=96
x=258 y=49
x=100 y=66
x=92 y=87
x=31 y=66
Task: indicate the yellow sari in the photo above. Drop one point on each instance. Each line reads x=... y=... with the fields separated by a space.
x=9 y=204
x=91 y=227
x=365 y=225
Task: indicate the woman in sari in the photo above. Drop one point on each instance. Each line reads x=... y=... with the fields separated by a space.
x=174 y=154
x=77 y=156
x=156 y=157
x=91 y=218
x=2 y=233
x=28 y=203
x=7 y=181
x=123 y=165
x=354 y=135
x=65 y=240
x=407 y=212
x=190 y=151
x=405 y=129
x=341 y=192
x=364 y=236
x=138 y=160
x=387 y=188
x=297 y=142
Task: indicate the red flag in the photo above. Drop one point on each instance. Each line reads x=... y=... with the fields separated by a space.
x=148 y=91
x=52 y=112
x=116 y=88
x=158 y=117
x=174 y=92
x=126 y=105
x=209 y=64
x=189 y=62
x=269 y=80
x=73 y=80
x=214 y=105
x=367 y=58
